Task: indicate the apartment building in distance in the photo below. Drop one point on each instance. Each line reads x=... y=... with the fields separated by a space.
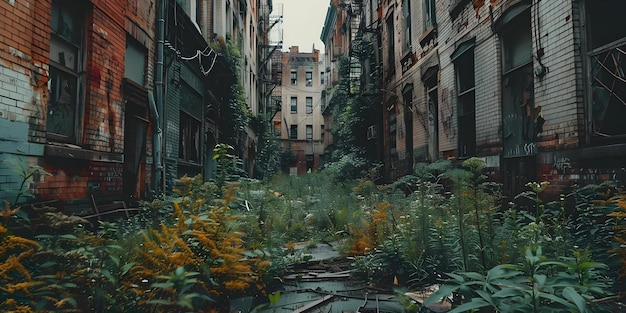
x=300 y=118
x=534 y=88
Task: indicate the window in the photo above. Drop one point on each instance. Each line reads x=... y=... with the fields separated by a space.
x=518 y=108
x=463 y=59
x=277 y=128
x=391 y=60
x=309 y=132
x=310 y=161
x=294 y=105
x=393 y=126
x=322 y=78
x=309 y=105
x=66 y=55
x=607 y=33
x=294 y=77
x=189 y=138
x=323 y=134
x=135 y=61
x=430 y=20
x=407 y=99
x=293 y=132
x=309 y=79
x=406 y=12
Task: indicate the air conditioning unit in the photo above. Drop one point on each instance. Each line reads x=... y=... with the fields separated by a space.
x=371 y=132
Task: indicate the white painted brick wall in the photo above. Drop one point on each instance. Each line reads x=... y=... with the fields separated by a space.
x=15 y=95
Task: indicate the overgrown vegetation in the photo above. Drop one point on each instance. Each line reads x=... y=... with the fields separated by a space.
x=215 y=241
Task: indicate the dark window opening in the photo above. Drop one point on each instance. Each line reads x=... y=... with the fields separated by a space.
x=393 y=127
x=309 y=79
x=607 y=42
x=521 y=123
x=464 y=66
x=293 y=132
x=189 y=144
x=391 y=59
x=66 y=54
x=606 y=22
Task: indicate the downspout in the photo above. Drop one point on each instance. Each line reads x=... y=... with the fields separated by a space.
x=157 y=107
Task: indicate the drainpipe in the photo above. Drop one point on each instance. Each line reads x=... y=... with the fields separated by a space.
x=157 y=107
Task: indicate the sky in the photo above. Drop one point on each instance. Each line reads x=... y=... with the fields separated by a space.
x=303 y=21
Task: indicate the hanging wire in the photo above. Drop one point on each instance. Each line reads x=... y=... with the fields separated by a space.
x=207 y=52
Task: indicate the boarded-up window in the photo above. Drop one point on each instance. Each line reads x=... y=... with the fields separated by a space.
x=135 y=61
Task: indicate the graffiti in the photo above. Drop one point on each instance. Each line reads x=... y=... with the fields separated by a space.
x=447 y=112
x=561 y=164
x=522 y=149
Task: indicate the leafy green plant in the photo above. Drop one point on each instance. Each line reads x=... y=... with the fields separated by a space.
x=174 y=292
x=537 y=285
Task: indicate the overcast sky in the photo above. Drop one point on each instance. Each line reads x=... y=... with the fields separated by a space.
x=303 y=21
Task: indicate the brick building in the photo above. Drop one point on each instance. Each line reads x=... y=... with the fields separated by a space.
x=300 y=118
x=86 y=89
x=535 y=88
x=75 y=77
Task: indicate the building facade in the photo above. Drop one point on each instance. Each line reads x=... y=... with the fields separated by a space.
x=117 y=99
x=535 y=88
x=301 y=124
x=75 y=81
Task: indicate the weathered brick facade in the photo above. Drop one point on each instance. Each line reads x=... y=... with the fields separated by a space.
x=88 y=155
x=535 y=88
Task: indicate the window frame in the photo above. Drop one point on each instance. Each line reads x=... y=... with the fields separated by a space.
x=309 y=78
x=67 y=127
x=309 y=132
x=293 y=132
x=309 y=105
x=293 y=105
x=466 y=103
x=190 y=132
x=294 y=77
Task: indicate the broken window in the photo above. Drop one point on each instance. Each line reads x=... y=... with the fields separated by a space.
x=66 y=54
x=463 y=58
x=190 y=124
x=189 y=144
x=607 y=32
x=521 y=120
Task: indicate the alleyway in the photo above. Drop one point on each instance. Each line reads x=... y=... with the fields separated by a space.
x=323 y=283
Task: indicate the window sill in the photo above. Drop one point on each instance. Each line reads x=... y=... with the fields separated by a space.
x=427 y=36
x=76 y=152
x=456 y=7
